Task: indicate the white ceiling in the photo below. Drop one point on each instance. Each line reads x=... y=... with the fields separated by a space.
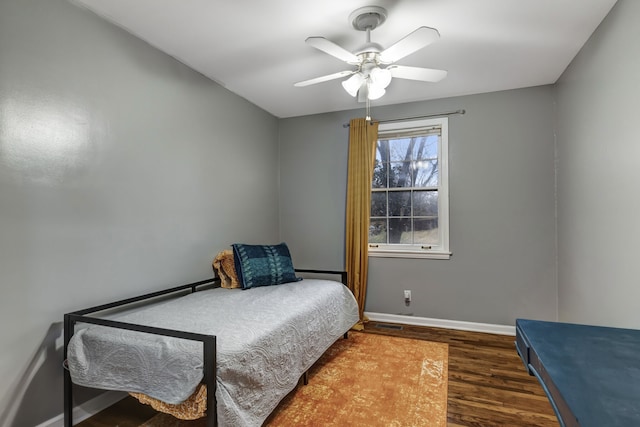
x=256 y=48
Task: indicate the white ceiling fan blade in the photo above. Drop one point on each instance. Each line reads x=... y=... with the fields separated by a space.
x=332 y=49
x=324 y=78
x=417 y=73
x=414 y=41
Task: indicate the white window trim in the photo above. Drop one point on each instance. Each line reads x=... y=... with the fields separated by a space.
x=415 y=251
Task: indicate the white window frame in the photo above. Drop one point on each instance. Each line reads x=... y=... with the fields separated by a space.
x=421 y=251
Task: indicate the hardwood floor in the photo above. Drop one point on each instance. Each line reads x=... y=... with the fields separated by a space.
x=488 y=384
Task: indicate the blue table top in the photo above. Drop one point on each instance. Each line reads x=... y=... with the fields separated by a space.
x=595 y=369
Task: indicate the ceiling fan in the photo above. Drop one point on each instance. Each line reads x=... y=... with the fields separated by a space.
x=374 y=65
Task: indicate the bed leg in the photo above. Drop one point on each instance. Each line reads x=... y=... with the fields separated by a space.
x=68 y=411
x=305 y=378
x=68 y=386
x=209 y=355
x=346 y=335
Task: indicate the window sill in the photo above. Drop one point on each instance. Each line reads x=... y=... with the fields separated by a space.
x=378 y=253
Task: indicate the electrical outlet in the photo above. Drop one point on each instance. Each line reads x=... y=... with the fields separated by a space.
x=407 y=297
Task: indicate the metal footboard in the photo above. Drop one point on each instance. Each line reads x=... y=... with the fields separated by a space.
x=208 y=344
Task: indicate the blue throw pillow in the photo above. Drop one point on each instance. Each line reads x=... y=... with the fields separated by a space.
x=263 y=265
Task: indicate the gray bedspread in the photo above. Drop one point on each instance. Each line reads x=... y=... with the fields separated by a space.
x=267 y=337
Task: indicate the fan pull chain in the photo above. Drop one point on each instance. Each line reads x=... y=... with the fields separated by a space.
x=367 y=110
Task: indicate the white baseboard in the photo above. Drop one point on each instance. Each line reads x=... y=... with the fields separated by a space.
x=442 y=323
x=87 y=409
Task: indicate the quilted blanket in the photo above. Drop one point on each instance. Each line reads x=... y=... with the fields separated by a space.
x=267 y=337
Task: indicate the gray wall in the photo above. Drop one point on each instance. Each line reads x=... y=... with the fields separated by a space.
x=502 y=205
x=121 y=171
x=599 y=176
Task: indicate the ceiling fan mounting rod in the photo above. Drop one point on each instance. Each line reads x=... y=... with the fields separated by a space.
x=367 y=19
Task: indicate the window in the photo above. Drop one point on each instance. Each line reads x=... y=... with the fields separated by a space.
x=409 y=192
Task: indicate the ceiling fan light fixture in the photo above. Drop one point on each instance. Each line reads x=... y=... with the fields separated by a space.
x=380 y=77
x=375 y=91
x=353 y=83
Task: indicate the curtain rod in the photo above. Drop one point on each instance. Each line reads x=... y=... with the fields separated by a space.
x=446 y=113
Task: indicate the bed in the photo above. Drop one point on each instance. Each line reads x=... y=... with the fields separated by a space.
x=247 y=347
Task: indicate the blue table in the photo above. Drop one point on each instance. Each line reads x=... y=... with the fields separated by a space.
x=591 y=374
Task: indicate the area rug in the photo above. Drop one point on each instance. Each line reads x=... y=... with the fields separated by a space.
x=365 y=380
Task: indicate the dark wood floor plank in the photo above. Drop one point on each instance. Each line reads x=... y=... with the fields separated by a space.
x=126 y=413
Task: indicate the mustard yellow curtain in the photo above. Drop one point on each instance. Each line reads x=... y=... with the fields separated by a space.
x=362 y=149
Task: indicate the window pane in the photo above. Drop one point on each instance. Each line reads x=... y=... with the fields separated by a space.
x=425 y=148
x=426 y=231
x=425 y=173
x=425 y=203
x=400 y=150
x=378 y=231
x=380 y=171
x=382 y=150
x=400 y=174
x=400 y=203
x=400 y=230
x=379 y=203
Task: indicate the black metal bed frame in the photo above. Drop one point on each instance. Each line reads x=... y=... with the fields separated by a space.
x=208 y=341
